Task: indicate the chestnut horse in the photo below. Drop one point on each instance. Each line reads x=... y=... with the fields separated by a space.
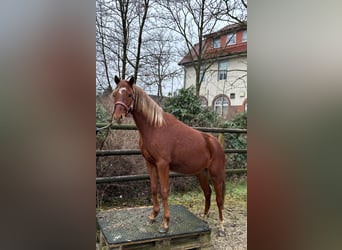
x=168 y=144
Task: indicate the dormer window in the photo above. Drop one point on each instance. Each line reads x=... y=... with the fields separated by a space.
x=231 y=39
x=216 y=43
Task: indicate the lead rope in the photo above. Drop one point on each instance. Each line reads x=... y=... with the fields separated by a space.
x=128 y=110
x=108 y=125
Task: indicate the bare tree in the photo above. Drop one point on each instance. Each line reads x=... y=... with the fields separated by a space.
x=119 y=38
x=234 y=11
x=158 y=64
x=123 y=6
x=142 y=21
x=133 y=15
x=193 y=19
x=102 y=53
x=128 y=37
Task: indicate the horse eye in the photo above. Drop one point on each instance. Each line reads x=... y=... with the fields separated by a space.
x=129 y=95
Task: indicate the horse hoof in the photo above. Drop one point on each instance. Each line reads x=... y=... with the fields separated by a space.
x=221 y=233
x=150 y=220
x=163 y=230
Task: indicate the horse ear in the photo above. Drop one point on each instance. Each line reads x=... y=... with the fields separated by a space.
x=116 y=79
x=131 y=81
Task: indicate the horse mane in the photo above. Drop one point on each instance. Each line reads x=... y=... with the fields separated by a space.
x=148 y=107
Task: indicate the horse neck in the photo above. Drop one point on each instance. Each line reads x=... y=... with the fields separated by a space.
x=141 y=121
x=146 y=113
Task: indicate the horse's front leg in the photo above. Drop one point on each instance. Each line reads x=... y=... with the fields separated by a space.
x=152 y=170
x=163 y=171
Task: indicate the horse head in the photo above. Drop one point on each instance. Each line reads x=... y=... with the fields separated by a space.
x=123 y=96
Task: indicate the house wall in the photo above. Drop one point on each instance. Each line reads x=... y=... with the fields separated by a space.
x=236 y=83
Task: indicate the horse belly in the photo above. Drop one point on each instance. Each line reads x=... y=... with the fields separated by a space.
x=190 y=159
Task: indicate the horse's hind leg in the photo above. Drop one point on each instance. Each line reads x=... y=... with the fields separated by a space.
x=204 y=182
x=219 y=186
x=218 y=177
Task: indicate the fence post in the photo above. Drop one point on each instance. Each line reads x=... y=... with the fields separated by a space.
x=221 y=139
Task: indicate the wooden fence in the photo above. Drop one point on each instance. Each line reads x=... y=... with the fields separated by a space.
x=102 y=153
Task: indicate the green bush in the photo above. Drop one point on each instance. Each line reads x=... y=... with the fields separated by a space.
x=237 y=141
x=101 y=114
x=239 y=121
x=186 y=107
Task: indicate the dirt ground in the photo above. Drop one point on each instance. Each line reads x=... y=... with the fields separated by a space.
x=234 y=213
x=235 y=228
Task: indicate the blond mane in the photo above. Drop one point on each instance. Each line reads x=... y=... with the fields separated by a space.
x=148 y=107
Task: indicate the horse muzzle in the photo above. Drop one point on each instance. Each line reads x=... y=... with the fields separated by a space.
x=120 y=111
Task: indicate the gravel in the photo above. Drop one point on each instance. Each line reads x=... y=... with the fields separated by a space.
x=235 y=225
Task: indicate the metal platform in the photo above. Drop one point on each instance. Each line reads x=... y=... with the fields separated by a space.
x=130 y=229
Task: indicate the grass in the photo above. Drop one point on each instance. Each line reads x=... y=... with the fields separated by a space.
x=236 y=191
x=236 y=195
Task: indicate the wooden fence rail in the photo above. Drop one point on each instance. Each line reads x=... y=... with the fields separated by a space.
x=124 y=178
x=138 y=152
x=101 y=153
x=203 y=129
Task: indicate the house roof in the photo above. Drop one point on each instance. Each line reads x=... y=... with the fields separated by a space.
x=212 y=53
x=228 y=28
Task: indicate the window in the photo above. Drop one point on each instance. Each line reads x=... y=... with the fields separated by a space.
x=232 y=96
x=244 y=36
x=221 y=106
x=203 y=100
x=231 y=39
x=222 y=70
x=216 y=43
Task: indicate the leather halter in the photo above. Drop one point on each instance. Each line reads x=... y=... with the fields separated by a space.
x=128 y=109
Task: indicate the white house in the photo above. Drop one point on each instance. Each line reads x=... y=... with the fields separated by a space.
x=224 y=85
